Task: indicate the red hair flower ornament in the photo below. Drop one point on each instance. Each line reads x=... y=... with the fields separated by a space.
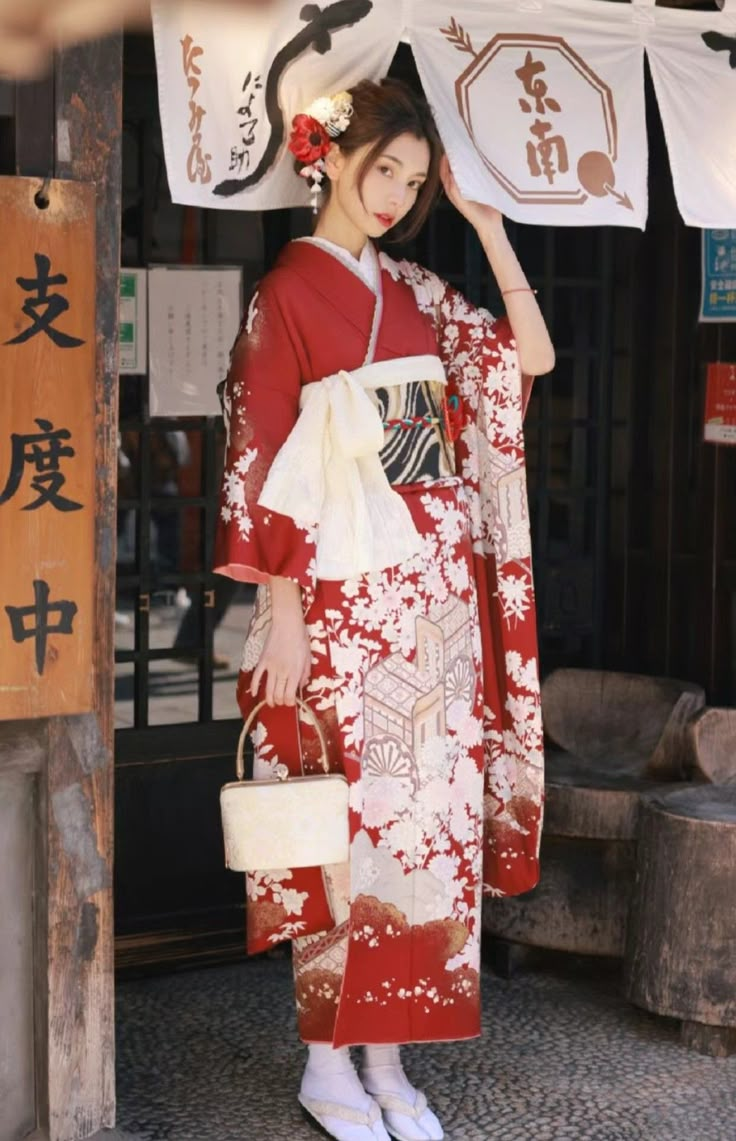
x=312 y=134
x=309 y=140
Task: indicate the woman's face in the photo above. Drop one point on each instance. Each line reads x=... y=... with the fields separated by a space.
x=390 y=187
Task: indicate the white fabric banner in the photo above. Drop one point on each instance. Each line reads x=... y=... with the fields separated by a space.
x=230 y=82
x=540 y=103
x=693 y=60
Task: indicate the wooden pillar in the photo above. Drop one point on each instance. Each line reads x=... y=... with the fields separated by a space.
x=56 y=773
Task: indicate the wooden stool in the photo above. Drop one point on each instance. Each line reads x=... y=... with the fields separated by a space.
x=681 y=949
x=620 y=736
x=603 y=715
x=712 y=735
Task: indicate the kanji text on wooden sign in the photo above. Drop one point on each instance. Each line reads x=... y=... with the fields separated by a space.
x=47 y=448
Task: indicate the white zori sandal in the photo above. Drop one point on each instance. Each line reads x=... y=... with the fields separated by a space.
x=418 y=1119
x=343 y=1122
x=406 y=1115
x=334 y=1098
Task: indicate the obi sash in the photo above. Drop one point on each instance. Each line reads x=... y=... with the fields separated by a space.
x=328 y=474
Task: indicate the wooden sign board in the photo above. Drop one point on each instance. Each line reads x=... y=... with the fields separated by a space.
x=47 y=448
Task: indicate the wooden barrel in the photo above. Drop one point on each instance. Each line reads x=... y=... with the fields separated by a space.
x=681 y=948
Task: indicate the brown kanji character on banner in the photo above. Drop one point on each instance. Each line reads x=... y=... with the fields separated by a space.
x=542 y=154
x=535 y=86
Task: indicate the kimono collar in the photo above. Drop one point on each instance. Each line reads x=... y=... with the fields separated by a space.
x=348 y=291
x=366 y=266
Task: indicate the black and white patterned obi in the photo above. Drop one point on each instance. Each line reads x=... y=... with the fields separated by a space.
x=417 y=450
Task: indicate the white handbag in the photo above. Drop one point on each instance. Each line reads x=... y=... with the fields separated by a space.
x=289 y=822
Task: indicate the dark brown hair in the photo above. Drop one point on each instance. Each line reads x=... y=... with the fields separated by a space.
x=381 y=112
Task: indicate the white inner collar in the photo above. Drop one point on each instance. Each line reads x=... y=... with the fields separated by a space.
x=366 y=266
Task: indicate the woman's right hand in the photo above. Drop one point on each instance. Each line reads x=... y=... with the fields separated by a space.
x=286 y=658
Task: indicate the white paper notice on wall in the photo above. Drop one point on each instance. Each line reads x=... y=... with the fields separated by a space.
x=193 y=319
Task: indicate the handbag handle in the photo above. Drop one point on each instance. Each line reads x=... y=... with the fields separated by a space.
x=300 y=705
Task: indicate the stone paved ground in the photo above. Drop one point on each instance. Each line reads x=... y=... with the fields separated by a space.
x=213 y=1056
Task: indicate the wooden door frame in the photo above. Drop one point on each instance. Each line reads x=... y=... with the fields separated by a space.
x=68 y=126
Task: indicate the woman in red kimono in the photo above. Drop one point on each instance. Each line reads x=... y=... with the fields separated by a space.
x=375 y=489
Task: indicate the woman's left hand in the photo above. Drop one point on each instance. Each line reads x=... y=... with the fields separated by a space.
x=480 y=216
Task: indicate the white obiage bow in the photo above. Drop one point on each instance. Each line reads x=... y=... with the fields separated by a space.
x=328 y=474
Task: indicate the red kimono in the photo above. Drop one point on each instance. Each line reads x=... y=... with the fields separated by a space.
x=424 y=672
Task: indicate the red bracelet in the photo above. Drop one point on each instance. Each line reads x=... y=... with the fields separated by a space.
x=521 y=289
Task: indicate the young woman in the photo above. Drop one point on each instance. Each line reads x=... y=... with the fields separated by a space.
x=375 y=488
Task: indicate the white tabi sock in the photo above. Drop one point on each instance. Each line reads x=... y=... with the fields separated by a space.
x=331 y=1083
x=383 y=1076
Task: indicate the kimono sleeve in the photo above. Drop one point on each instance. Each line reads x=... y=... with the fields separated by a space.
x=261 y=405
x=466 y=329
x=482 y=366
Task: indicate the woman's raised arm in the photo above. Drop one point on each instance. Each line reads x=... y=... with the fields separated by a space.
x=535 y=349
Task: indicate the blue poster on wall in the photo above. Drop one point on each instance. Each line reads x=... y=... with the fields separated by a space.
x=718 y=300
